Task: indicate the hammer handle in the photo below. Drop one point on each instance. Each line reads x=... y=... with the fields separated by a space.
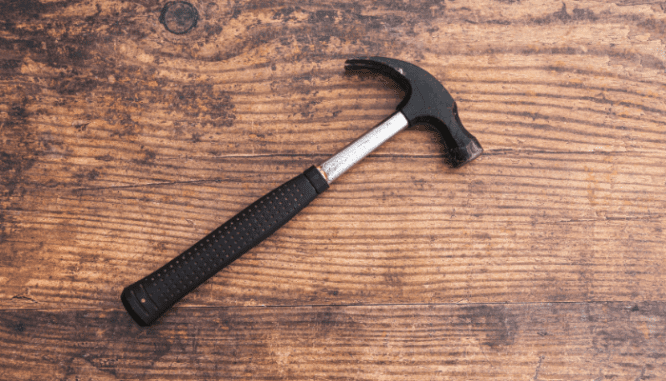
x=147 y=299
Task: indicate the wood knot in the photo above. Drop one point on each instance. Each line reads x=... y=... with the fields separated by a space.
x=179 y=17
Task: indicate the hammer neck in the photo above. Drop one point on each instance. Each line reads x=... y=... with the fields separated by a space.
x=332 y=168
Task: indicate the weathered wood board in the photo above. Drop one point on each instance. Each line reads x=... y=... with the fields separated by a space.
x=122 y=143
x=532 y=341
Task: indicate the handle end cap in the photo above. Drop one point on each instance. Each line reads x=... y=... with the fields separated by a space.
x=134 y=307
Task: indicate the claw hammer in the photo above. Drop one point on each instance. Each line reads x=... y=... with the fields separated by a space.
x=426 y=101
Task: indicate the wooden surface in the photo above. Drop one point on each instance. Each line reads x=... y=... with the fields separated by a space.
x=122 y=143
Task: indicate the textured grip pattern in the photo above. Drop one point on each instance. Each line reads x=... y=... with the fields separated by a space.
x=147 y=299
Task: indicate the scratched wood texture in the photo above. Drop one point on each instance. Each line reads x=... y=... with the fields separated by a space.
x=122 y=143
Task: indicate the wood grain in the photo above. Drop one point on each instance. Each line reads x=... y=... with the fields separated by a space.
x=577 y=341
x=121 y=144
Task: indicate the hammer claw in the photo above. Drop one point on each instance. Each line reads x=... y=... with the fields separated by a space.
x=426 y=101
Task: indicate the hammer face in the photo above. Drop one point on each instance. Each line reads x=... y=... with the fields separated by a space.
x=426 y=101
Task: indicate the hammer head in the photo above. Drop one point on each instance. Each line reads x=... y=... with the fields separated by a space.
x=426 y=101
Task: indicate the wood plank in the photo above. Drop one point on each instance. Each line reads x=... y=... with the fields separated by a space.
x=558 y=341
x=421 y=236
x=120 y=151
x=121 y=144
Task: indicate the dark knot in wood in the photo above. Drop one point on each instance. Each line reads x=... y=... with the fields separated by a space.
x=179 y=17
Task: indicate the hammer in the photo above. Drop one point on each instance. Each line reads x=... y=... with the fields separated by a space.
x=426 y=101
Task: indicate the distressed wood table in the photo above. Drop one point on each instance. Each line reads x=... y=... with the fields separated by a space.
x=127 y=132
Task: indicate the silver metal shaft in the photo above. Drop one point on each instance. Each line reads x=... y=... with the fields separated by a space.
x=332 y=168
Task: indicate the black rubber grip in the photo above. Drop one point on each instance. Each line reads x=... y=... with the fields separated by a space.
x=147 y=299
